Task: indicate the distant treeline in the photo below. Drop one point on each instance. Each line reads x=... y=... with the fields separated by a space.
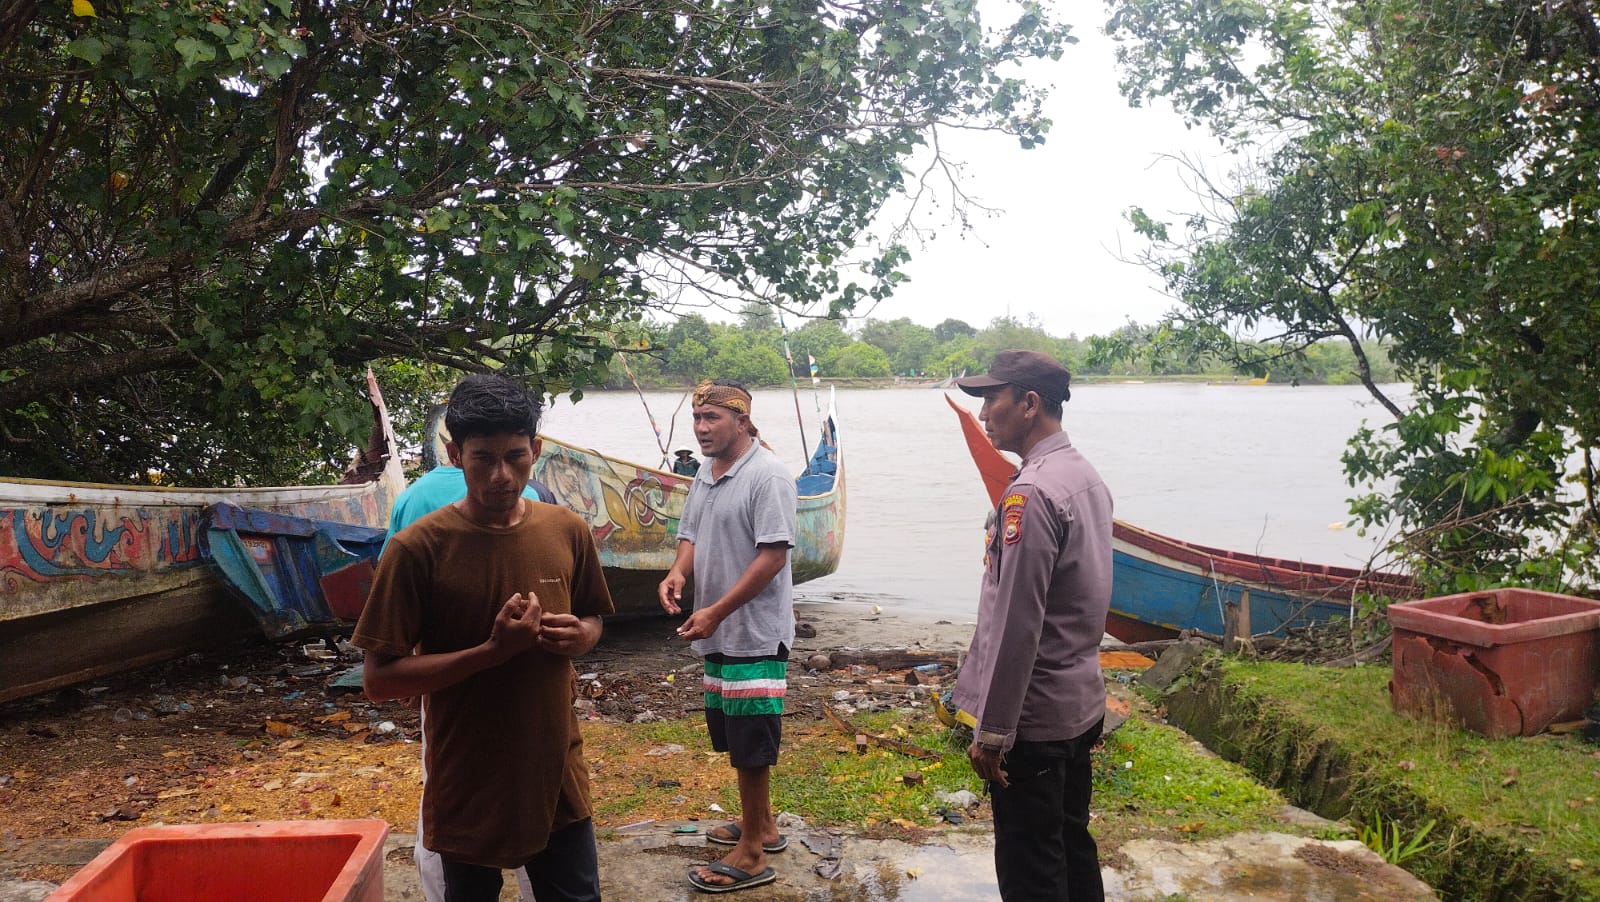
x=752 y=351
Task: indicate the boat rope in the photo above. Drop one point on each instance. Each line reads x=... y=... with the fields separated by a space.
x=660 y=442
x=793 y=385
x=1216 y=587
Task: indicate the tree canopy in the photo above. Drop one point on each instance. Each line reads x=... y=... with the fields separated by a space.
x=215 y=213
x=1425 y=173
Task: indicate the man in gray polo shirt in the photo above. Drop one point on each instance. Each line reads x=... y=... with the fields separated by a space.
x=735 y=535
x=1032 y=678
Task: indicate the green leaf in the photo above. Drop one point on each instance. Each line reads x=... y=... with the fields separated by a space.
x=88 y=48
x=275 y=65
x=194 y=51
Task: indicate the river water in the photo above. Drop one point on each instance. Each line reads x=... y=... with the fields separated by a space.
x=1249 y=468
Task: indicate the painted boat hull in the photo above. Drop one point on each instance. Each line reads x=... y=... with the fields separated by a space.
x=633 y=512
x=98 y=579
x=294 y=575
x=1161 y=585
x=298 y=575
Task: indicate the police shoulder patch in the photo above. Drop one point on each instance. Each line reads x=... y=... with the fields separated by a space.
x=1011 y=507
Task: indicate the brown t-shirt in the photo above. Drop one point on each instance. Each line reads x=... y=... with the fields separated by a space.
x=494 y=792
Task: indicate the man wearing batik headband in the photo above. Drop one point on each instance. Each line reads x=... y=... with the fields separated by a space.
x=730 y=394
x=734 y=538
x=1032 y=677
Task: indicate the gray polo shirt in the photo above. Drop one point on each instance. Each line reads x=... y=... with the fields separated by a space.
x=752 y=504
x=1033 y=672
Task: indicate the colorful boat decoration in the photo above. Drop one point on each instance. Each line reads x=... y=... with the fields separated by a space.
x=1161 y=586
x=97 y=579
x=633 y=511
x=294 y=575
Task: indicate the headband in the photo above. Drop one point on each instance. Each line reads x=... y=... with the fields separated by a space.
x=729 y=396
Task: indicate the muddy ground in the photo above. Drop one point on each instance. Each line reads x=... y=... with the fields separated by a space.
x=257 y=731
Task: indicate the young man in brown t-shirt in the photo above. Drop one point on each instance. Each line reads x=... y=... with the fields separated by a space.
x=480 y=607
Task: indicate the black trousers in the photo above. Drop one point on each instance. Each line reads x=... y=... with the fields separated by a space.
x=568 y=870
x=1042 y=848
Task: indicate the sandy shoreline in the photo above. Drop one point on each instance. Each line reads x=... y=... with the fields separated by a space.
x=848 y=624
x=648 y=644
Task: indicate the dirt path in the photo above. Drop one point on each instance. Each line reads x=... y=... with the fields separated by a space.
x=270 y=731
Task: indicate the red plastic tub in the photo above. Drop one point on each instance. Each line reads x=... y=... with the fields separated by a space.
x=1507 y=662
x=265 y=861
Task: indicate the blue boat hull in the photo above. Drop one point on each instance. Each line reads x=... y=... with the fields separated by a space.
x=1152 y=600
x=294 y=574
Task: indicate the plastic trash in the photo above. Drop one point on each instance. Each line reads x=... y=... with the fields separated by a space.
x=961 y=798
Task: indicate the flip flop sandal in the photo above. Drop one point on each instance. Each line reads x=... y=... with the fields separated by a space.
x=732 y=839
x=741 y=879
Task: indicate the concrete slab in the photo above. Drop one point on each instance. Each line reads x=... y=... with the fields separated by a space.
x=958 y=867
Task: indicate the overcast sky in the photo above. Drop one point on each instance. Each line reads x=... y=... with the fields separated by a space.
x=1052 y=249
x=1058 y=243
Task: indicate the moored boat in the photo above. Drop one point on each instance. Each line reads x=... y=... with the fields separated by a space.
x=97 y=579
x=1161 y=586
x=633 y=511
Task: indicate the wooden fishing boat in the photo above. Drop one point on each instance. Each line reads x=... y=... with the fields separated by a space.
x=633 y=510
x=1161 y=585
x=96 y=579
x=294 y=575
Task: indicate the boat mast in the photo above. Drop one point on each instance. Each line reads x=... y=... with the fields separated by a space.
x=794 y=386
x=660 y=442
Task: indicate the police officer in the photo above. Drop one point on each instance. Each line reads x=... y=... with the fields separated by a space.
x=1032 y=677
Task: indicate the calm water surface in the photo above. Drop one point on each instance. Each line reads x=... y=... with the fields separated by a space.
x=1247 y=468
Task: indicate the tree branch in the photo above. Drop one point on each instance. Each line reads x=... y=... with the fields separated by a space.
x=80 y=372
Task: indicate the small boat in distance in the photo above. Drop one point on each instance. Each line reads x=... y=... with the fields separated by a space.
x=1161 y=585
x=1258 y=380
x=633 y=510
x=98 y=579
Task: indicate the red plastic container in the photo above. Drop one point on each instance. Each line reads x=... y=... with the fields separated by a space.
x=266 y=861
x=1507 y=662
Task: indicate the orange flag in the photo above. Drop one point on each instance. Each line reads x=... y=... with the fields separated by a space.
x=993 y=466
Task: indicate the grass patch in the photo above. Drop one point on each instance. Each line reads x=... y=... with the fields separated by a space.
x=1515 y=812
x=1172 y=788
x=1153 y=776
x=824 y=779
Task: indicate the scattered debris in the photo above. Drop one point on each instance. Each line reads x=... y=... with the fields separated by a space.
x=884 y=742
x=828 y=850
x=961 y=798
